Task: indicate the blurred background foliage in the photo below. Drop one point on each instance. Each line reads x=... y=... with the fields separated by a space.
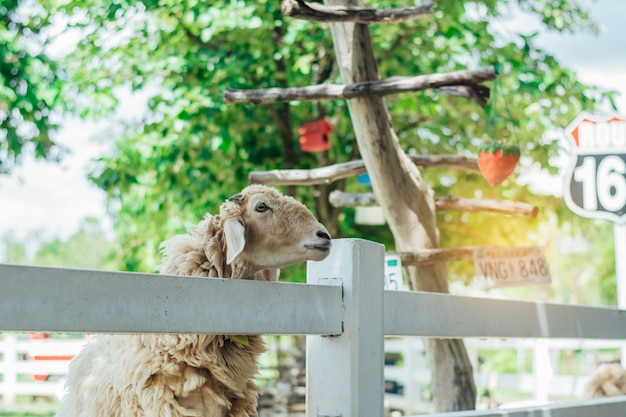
x=29 y=85
x=191 y=151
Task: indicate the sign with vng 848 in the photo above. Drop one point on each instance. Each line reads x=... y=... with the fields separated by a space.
x=511 y=266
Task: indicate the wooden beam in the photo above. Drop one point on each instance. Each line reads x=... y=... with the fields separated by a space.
x=479 y=94
x=322 y=175
x=472 y=205
x=331 y=173
x=439 y=255
x=467 y=163
x=320 y=13
x=384 y=87
x=340 y=199
x=406 y=200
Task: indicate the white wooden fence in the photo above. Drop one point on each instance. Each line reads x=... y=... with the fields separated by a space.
x=343 y=310
x=21 y=359
x=542 y=383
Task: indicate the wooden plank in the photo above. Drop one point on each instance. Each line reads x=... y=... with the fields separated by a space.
x=321 y=13
x=453 y=316
x=73 y=300
x=605 y=407
x=432 y=256
x=374 y=88
x=472 y=205
x=332 y=173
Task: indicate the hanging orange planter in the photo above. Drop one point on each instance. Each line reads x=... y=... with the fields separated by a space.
x=497 y=162
x=314 y=136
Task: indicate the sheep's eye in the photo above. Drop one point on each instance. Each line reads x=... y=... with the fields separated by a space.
x=261 y=207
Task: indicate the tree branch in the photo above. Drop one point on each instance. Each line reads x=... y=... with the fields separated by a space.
x=330 y=173
x=320 y=13
x=479 y=94
x=402 y=129
x=514 y=208
x=387 y=86
x=431 y=256
x=473 y=205
x=195 y=38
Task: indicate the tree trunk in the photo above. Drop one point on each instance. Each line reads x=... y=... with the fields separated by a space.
x=407 y=201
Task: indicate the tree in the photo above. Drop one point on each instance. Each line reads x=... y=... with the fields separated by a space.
x=189 y=54
x=192 y=151
x=193 y=53
x=14 y=251
x=30 y=85
x=407 y=200
x=88 y=248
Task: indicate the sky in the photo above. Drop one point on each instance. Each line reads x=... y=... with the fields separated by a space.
x=52 y=199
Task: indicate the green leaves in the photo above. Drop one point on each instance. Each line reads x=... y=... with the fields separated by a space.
x=28 y=81
x=190 y=151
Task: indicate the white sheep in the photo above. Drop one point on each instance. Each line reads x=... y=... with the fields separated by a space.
x=172 y=375
x=608 y=380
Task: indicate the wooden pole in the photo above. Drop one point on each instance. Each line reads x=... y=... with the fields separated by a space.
x=619 y=236
x=407 y=202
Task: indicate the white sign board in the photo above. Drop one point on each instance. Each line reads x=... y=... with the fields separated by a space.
x=595 y=178
x=511 y=266
x=393 y=273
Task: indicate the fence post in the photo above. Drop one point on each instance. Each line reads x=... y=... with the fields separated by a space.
x=9 y=369
x=542 y=370
x=345 y=375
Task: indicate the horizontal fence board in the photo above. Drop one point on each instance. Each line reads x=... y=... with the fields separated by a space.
x=399 y=344
x=54 y=389
x=42 y=367
x=452 y=316
x=74 y=300
x=605 y=407
x=47 y=347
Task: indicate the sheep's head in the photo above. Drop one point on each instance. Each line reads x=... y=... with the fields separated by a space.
x=267 y=230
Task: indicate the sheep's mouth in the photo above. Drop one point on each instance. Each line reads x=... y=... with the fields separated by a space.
x=325 y=247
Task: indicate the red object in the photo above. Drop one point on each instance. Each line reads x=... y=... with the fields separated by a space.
x=42 y=336
x=44 y=377
x=497 y=162
x=314 y=136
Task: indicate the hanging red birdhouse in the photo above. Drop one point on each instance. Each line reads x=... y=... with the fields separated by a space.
x=496 y=162
x=314 y=136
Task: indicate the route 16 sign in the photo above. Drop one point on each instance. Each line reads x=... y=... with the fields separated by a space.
x=595 y=179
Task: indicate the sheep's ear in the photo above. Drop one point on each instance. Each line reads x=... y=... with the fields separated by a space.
x=235 y=239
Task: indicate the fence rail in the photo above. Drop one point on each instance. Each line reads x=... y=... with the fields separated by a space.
x=73 y=300
x=479 y=317
x=344 y=298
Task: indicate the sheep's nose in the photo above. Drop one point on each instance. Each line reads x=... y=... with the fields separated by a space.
x=323 y=234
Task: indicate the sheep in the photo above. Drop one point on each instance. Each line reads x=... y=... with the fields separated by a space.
x=608 y=380
x=173 y=375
